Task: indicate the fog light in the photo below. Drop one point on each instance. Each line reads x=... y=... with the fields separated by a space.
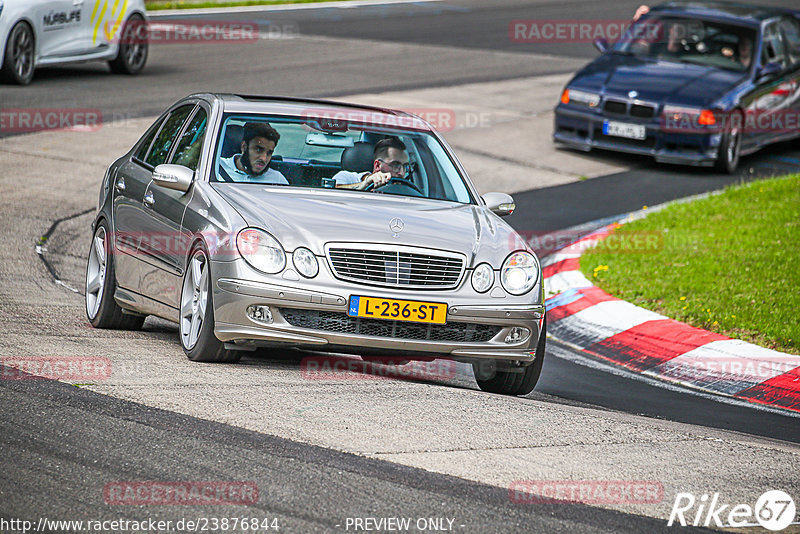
x=517 y=334
x=259 y=313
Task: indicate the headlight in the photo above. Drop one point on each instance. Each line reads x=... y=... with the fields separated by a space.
x=520 y=273
x=575 y=96
x=261 y=250
x=305 y=262
x=482 y=278
x=683 y=118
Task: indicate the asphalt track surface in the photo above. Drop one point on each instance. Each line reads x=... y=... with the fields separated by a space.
x=67 y=441
x=309 y=489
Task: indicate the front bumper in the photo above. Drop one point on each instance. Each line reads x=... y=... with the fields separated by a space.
x=314 y=316
x=583 y=130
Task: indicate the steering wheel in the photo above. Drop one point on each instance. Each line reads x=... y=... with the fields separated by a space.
x=395 y=181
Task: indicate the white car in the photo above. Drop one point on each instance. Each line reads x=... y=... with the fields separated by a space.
x=37 y=33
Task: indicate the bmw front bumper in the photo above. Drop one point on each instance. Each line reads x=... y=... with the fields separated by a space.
x=583 y=130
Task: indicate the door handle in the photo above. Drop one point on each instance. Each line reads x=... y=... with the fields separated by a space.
x=120 y=185
x=149 y=200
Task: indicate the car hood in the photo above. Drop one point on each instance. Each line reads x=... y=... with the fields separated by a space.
x=657 y=81
x=314 y=217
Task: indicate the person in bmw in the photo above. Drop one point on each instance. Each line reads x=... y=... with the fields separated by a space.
x=252 y=165
x=689 y=83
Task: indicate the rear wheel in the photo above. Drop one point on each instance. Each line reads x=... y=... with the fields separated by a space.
x=730 y=145
x=133 y=47
x=197 y=314
x=101 y=308
x=517 y=382
x=19 y=54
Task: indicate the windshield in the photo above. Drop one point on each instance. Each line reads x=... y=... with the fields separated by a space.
x=337 y=155
x=686 y=40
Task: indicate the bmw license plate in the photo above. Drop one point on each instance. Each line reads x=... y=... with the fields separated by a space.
x=623 y=129
x=397 y=310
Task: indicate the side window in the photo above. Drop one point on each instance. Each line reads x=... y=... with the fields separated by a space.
x=772 y=50
x=791 y=37
x=187 y=152
x=158 y=154
x=148 y=140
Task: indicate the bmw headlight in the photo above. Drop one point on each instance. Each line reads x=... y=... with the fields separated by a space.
x=574 y=96
x=482 y=278
x=261 y=250
x=520 y=273
x=305 y=262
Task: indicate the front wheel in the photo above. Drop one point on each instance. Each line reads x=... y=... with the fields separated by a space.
x=518 y=382
x=19 y=55
x=730 y=146
x=133 y=47
x=101 y=308
x=196 y=323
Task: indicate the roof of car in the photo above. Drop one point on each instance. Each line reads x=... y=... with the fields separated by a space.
x=318 y=108
x=732 y=11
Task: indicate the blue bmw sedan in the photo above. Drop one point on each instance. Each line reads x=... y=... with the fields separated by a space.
x=689 y=83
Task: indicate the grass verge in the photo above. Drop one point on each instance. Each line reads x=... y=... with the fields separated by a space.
x=729 y=263
x=156 y=5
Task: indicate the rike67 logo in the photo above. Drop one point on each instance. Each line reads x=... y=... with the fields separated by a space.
x=774 y=510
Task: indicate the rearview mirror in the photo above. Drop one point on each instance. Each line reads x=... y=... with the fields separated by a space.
x=500 y=203
x=329 y=140
x=601 y=44
x=175 y=177
x=769 y=70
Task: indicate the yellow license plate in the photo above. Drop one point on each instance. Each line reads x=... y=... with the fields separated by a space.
x=397 y=310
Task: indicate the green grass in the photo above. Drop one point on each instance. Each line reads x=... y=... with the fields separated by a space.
x=729 y=263
x=155 y=5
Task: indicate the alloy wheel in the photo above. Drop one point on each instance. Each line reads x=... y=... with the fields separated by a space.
x=194 y=299
x=96 y=273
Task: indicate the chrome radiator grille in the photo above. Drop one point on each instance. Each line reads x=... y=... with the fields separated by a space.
x=393 y=266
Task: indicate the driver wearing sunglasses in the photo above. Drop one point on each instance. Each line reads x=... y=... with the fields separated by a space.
x=391 y=161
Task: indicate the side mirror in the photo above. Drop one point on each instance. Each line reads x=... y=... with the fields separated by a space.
x=770 y=70
x=175 y=177
x=499 y=203
x=601 y=44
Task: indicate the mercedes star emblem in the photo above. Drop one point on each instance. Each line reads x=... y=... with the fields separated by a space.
x=396 y=225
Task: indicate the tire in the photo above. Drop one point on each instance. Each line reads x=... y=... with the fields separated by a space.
x=20 y=50
x=196 y=321
x=101 y=284
x=133 y=47
x=730 y=145
x=516 y=383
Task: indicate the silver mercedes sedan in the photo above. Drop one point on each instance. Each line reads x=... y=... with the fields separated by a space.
x=282 y=222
